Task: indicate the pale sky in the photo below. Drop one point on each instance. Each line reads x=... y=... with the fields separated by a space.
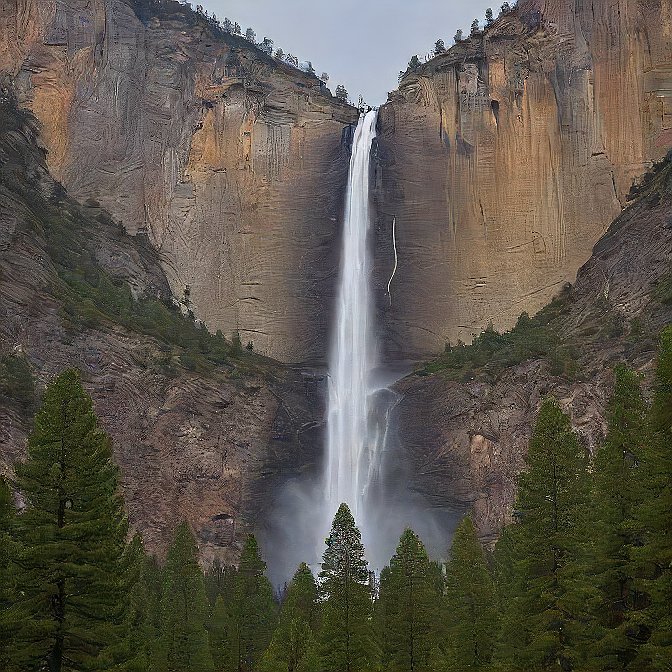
x=362 y=44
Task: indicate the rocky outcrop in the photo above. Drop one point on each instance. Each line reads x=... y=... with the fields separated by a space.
x=232 y=162
x=466 y=439
x=504 y=160
x=208 y=446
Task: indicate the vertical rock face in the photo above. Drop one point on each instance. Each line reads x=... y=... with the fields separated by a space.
x=505 y=159
x=234 y=163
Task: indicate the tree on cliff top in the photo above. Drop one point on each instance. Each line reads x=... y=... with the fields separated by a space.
x=439 y=47
x=341 y=93
x=414 y=63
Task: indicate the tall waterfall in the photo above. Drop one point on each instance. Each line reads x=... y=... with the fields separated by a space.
x=366 y=466
x=351 y=441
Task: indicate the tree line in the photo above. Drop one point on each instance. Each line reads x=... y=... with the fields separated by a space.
x=440 y=45
x=581 y=580
x=267 y=46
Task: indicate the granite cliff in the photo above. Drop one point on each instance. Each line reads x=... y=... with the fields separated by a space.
x=465 y=419
x=202 y=430
x=232 y=162
x=505 y=159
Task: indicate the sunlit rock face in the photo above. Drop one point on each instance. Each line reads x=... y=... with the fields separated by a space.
x=506 y=158
x=234 y=163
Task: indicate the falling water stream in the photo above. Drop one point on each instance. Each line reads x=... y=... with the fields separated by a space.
x=350 y=459
x=365 y=466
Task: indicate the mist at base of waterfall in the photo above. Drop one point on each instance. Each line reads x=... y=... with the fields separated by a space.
x=290 y=536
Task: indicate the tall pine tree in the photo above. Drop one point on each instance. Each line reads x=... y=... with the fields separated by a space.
x=184 y=610
x=252 y=612
x=409 y=601
x=7 y=552
x=617 y=495
x=471 y=612
x=70 y=598
x=541 y=622
x=656 y=518
x=347 y=642
x=293 y=647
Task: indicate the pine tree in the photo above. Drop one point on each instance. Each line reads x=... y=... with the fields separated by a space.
x=414 y=63
x=153 y=585
x=70 y=597
x=471 y=613
x=219 y=635
x=184 y=609
x=617 y=495
x=7 y=552
x=439 y=47
x=253 y=610
x=409 y=602
x=139 y=637
x=293 y=647
x=539 y=621
x=656 y=517
x=347 y=635
x=341 y=93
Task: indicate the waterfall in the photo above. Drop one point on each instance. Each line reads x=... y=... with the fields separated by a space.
x=365 y=464
x=351 y=443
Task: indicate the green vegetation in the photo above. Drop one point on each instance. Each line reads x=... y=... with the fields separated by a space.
x=471 y=614
x=491 y=352
x=657 y=181
x=347 y=641
x=581 y=581
x=69 y=606
x=184 y=610
x=16 y=380
x=91 y=296
x=410 y=592
x=541 y=623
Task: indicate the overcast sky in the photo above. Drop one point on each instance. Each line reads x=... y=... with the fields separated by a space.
x=360 y=43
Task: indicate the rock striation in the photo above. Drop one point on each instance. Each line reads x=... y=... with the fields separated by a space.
x=232 y=162
x=504 y=160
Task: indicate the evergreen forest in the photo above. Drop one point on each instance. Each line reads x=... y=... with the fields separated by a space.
x=581 y=580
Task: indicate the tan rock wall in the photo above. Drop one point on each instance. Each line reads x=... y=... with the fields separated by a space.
x=505 y=159
x=232 y=162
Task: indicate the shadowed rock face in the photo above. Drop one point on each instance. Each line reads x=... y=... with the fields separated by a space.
x=506 y=158
x=233 y=163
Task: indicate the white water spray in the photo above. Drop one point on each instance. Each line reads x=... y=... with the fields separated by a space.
x=351 y=458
